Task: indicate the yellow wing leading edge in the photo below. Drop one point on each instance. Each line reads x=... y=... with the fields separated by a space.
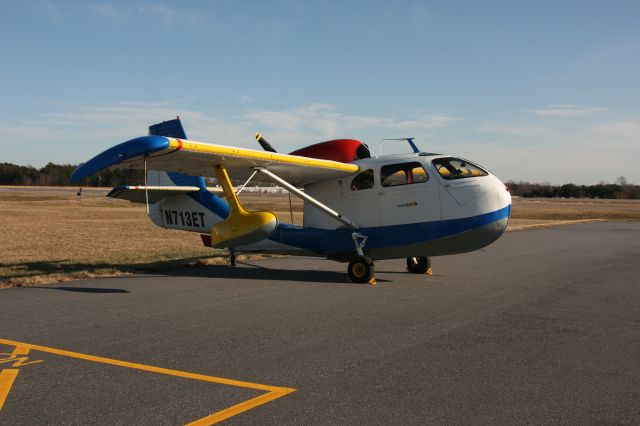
x=192 y=157
x=198 y=159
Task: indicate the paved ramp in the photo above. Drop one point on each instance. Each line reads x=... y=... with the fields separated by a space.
x=541 y=327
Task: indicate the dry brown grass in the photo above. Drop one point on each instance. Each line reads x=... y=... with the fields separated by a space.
x=51 y=235
x=536 y=213
x=56 y=237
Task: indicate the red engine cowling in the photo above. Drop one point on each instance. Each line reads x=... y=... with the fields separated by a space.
x=342 y=150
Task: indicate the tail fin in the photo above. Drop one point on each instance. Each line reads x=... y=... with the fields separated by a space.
x=192 y=201
x=172 y=129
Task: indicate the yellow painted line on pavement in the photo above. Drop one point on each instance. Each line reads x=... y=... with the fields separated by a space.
x=273 y=392
x=7 y=377
x=21 y=350
x=240 y=408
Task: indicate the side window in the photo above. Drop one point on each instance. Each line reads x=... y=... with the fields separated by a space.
x=403 y=174
x=363 y=180
x=455 y=168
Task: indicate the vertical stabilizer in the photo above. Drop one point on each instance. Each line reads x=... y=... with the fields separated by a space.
x=172 y=129
x=192 y=202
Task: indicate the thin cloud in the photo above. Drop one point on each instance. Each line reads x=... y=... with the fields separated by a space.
x=102 y=10
x=48 y=9
x=328 y=122
x=160 y=13
x=619 y=129
x=135 y=116
x=566 y=111
x=504 y=129
x=563 y=156
x=561 y=106
x=91 y=127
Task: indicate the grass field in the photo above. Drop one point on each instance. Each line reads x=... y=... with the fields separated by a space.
x=51 y=235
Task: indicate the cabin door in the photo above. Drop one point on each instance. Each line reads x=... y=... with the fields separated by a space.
x=407 y=194
x=360 y=199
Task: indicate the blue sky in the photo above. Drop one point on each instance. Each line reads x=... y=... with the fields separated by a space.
x=544 y=91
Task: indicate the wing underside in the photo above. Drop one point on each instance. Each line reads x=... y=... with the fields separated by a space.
x=140 y=194
x=199 y=159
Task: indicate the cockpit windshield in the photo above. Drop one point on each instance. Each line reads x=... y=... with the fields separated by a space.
x=455 y=168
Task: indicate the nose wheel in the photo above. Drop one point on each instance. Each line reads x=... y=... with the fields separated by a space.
x=419 y=265
x=361 y=270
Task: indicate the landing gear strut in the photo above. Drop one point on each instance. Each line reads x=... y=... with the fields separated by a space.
x=419 y=265
x=232 y=257
x=361 y=270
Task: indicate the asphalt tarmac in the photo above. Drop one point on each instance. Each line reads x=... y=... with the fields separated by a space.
x=541 y=327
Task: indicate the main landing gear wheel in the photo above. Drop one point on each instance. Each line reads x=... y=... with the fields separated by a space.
x=419 y=265
x=361 y=270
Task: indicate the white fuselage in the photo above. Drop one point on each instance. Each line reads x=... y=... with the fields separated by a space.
x=436 y=199
x=406 y=204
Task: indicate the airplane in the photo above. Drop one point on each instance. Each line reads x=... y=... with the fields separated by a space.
x=358 y=207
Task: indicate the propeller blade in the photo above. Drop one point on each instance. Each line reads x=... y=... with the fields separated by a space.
x=264 y=144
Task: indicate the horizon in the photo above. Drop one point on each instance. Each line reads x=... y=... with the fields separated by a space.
x=620 y=180
x=544 y=92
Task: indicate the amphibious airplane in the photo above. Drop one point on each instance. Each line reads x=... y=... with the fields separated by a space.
x=358 y=207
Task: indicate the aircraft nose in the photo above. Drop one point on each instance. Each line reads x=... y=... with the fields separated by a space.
x=504 y=196
x=503 y=211
x=497 y=202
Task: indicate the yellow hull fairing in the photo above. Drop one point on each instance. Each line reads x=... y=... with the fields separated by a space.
x=241 y=226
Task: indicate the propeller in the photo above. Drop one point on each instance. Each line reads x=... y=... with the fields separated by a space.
x=264 y=144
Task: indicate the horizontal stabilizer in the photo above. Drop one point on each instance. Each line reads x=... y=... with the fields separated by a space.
x=136 y=194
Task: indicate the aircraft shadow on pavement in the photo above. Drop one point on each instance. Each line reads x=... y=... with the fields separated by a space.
x=85 y=289
x=245 y=270
x=261 y=273
x=25 y=271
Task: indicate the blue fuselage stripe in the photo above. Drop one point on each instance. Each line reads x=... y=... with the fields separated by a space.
x=212 y=202
x=180 y=179
x=339 y=240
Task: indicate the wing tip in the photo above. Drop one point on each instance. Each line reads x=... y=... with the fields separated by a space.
x=128 y=150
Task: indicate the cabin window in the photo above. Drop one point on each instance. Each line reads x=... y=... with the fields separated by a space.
x=456 y=168
x=403 y=174
x=363 y=180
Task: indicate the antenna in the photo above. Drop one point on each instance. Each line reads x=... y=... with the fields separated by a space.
x=410 y=140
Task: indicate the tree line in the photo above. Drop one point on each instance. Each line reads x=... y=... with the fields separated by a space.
x=621 y=190
x=59 y=174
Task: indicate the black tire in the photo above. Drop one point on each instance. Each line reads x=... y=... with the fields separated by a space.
x=232 y=259
x=418 y=265
x=361 y=269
